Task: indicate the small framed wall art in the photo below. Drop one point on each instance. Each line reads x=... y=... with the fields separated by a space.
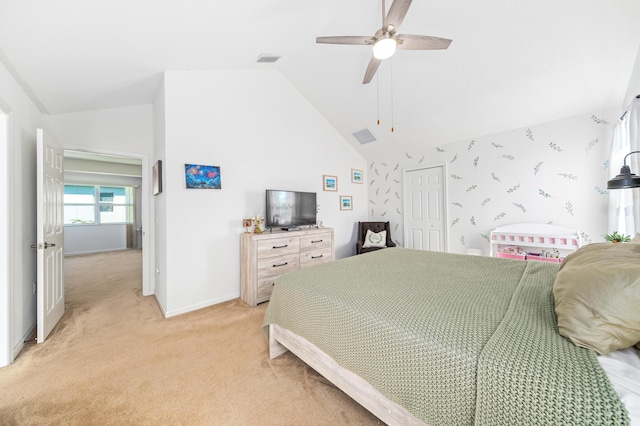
x=157 y=177
x=329 y=183
x=202 y=177
x=346 y=202
x=356 y=176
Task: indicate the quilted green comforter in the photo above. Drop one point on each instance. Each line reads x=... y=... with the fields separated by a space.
x=455 y=339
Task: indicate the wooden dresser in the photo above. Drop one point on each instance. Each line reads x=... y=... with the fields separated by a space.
x=264 y=257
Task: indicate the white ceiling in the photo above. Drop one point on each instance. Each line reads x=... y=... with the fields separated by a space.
x=511 y=64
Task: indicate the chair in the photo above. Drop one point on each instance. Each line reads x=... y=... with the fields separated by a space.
x=374 y=227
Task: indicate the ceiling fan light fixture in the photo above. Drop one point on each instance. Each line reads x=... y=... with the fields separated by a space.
x=384 y=47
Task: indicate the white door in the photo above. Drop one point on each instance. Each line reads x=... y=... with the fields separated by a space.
x=424 y=213
x=50 y=288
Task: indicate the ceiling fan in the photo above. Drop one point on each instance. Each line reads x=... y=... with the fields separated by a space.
x=385 y=41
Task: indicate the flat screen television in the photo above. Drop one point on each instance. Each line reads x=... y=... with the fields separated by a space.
x=290 y=209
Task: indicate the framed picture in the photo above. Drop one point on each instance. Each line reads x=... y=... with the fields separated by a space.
x=346 y=202
x=329 y=183
x=202 y=177
x=356 y=176
x=157 y=177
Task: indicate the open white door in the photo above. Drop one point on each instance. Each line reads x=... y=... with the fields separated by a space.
x=50 y=289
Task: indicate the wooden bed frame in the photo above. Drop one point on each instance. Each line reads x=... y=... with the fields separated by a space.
x=390 y=412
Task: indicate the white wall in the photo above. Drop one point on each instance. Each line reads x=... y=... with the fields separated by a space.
x=128 y=130
x=547 y=173
x=159 y=237
x=94 y=238
x=633 y=89
x=263 y=134
x=17 y=300
x=5 y=229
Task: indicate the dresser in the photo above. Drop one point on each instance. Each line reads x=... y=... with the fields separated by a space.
x=264 y=257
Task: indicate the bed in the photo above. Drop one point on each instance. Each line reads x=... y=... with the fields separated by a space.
x=421 y=337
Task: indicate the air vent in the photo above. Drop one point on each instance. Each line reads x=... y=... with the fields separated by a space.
x=267 y=59
x=364 y=136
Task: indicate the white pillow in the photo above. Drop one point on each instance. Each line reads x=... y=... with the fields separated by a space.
x=375 y=239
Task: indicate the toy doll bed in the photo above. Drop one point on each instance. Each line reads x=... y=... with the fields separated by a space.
x=421 y=337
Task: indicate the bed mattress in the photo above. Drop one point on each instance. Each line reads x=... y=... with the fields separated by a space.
x=455 y=339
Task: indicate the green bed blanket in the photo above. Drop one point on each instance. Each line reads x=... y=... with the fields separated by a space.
x=455 y=339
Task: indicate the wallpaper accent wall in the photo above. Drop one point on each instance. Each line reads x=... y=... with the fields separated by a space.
x=553 y=173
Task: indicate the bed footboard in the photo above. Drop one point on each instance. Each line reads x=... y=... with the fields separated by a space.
x=281 y=340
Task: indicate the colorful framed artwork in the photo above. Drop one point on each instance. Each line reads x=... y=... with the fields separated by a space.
x=157 y=178
x=202 y=177
x=329 y=183
x=356 y=176
x=346 y=202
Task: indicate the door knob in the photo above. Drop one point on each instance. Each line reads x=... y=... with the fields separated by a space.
x=45 y=245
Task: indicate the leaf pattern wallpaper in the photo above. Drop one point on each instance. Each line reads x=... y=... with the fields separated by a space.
x=553 y=173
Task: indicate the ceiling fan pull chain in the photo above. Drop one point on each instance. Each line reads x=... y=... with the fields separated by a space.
x=378 y=97
x=392 y=120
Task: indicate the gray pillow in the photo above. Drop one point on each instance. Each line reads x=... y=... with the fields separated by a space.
x=597 y=296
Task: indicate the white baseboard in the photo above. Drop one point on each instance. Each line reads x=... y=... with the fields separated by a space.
x=80 y=253
x=17 y=348
x=160 y=305
x=168 y=314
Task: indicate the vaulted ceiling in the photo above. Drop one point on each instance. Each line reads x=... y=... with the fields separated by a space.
x=511 y=64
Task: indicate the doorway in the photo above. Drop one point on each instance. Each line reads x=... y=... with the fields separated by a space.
x=424 y=208
x=114 y=169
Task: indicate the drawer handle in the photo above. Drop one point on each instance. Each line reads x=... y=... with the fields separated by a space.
x=277 y=247
x=316 y=241
x=281 y=264
x=317 y=257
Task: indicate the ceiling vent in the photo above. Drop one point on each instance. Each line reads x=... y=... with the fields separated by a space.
x=364 y=136
x=267 y=59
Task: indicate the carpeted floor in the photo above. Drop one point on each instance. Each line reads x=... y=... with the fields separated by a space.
x=114 y=360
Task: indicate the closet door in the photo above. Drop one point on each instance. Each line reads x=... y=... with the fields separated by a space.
x=424 y=212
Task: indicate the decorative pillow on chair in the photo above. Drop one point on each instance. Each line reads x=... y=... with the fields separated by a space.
x=597 y=296
x=375 y=239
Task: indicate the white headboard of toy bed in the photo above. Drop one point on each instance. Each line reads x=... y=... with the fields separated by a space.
x=534 y=241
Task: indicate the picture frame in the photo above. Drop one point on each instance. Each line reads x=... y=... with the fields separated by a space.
x=346 y=202
x=198 y=176
x=329 y=183
x=246 y=224
x=356 y=176
x=157 y=178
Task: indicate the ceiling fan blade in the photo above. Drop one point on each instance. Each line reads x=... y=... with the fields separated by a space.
x=421 y=42
x=374 y=63
x=358 y=40
x=397 y=12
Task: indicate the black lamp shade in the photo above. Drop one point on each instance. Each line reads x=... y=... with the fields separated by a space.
x=625 y=179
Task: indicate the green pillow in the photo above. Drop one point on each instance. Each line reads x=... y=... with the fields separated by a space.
x=597 y=296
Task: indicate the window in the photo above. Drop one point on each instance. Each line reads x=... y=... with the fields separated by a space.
x=90 y=204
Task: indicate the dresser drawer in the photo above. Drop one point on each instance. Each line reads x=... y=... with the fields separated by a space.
x=278 y=247
x=265 y=287
x=313 y=242
x=275 y=266
x=315 y=257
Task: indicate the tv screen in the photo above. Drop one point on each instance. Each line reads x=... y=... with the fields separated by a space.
x=287 y=209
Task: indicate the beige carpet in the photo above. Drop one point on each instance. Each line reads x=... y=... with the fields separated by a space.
x=113 y=359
